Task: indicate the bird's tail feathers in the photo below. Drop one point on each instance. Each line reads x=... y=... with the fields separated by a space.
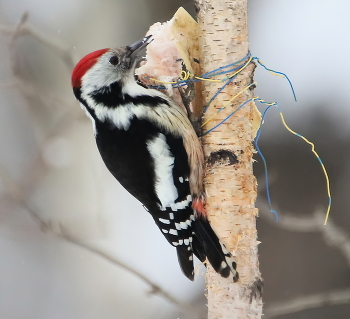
x=218 y=255
x=185 y=257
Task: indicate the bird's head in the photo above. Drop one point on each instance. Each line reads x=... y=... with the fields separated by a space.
x=104 y=67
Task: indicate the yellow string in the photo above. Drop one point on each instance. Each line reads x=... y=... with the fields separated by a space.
x=185 y=75
x=242 y=68
x=228 y=102
x=257 y=98
x=209 y=80
x=159 y=81
x=319 y=159
x=312 y=149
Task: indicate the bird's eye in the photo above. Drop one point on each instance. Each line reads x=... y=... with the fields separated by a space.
x=114 y=60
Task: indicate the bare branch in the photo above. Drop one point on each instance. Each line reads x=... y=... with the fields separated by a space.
x=288 y=221
x=336 y=297
x=332 y=234
x=15 y=192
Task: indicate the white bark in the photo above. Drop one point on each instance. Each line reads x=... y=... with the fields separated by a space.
x=229 y=181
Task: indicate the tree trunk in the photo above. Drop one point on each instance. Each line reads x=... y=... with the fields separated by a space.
x=229 y=180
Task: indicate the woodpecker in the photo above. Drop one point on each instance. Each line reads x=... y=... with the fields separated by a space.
x=149 y=145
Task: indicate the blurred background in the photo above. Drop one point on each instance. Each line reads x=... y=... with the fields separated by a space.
x=57 y=197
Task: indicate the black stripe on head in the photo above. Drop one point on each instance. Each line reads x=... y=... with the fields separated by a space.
x=112 y=96
x=148 y=100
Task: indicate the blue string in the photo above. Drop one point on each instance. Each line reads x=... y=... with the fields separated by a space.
x=257 y=148
x=228 y=80
x=265 y=163
x=281 y=73
x=217 y=93
x=225 y=119
x=212 y=73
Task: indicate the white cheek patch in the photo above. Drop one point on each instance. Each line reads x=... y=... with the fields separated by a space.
x=163 y=163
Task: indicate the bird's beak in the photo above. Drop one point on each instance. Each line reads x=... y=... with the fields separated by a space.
x=139 y=45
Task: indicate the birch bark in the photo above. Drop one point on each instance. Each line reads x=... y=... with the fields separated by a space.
x=229 y=180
